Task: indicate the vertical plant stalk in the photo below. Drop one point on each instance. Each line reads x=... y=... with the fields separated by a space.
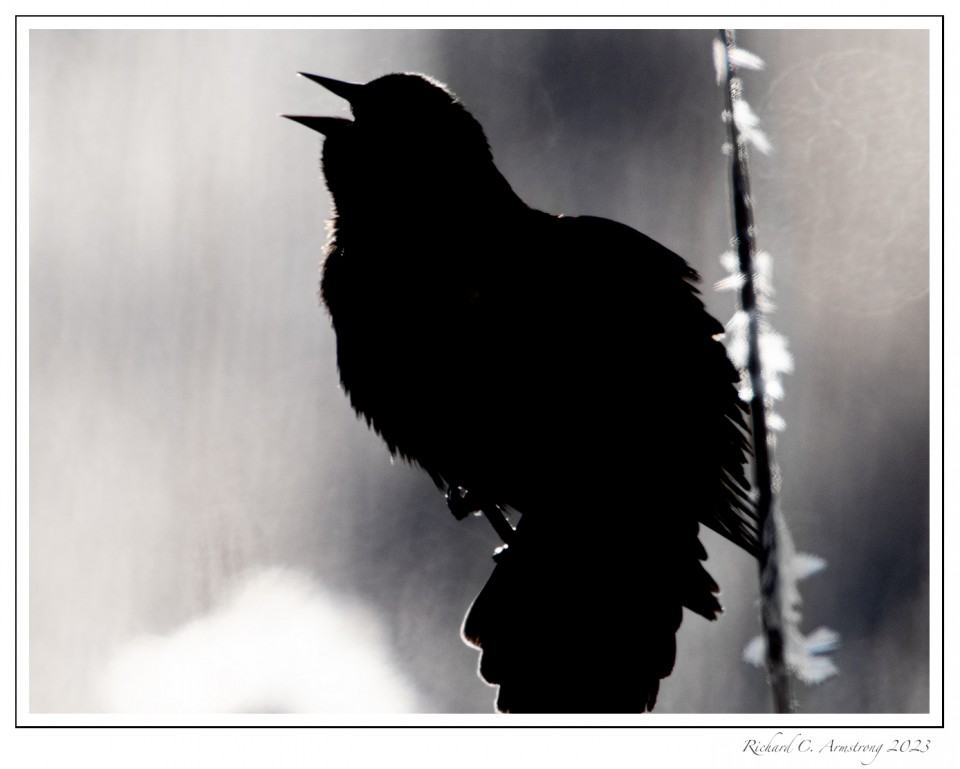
x=771 y=611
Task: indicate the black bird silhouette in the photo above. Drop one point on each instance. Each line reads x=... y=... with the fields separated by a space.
x=561 y=367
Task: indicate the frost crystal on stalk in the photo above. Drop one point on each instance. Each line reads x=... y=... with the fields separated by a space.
x=805 y=655
x=762 y=356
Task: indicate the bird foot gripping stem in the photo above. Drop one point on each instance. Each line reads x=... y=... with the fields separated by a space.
x=463 y=502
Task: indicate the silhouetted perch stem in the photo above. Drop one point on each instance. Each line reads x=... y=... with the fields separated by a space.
x=771 y=612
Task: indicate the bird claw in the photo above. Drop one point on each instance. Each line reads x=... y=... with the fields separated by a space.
x=461 y=502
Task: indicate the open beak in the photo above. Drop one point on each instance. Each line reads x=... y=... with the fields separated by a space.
x=349 y=91
x=328 y=125
x=324 y=125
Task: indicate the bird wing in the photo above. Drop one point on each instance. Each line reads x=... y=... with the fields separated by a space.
x=593 y=351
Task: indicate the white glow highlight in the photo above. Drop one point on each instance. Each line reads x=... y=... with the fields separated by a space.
x=276 y=644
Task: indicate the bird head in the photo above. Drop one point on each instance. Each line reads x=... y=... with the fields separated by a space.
x=409 y=133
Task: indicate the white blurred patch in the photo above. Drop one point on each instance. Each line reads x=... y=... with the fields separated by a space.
x=806 y=655
x=748 y=124
x=277 y=643
x=743 y=59
x=720 y=61
x=738 y=58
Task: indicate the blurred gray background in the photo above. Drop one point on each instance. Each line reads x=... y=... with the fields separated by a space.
x=212 y=529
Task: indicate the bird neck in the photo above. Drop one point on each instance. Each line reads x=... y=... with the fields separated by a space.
x=441 y=201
